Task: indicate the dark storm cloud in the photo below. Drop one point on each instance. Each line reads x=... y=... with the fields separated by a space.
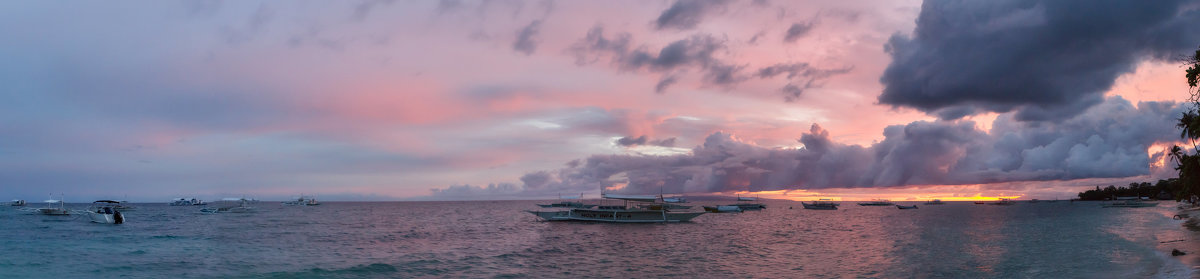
x=1109 y=140
x=796 y=31
x=526 y=43
x=698 y=52
x=1045 y=60
x=686 y=14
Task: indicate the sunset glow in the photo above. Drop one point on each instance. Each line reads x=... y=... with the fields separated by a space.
x=465 y=100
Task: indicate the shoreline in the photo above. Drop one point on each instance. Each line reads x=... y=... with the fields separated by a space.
x=1189 y=222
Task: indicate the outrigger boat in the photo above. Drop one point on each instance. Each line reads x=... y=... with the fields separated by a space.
x=51 y=210
x=105 y=212
x=743 y=203
x=934 y=202
x=822 y=204
x=629 y=212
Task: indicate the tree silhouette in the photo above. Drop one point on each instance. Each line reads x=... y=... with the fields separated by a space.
x=1189 y=123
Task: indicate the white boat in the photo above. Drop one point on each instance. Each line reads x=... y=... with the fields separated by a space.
x=51 y=210
x=186 y=202
x=879 y=202
x=629 y=212
x=723 y=209
x=105 y=212
x=231 y=205
x=822 y=204
x=934 y=202
x=17 y=203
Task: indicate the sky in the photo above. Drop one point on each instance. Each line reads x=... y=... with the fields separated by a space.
x=469 y=100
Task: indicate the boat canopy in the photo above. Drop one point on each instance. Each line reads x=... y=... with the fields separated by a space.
x=747 y=198
x=108 y=201
x=234 y=199
x=639 y=198
x=571 y=197
x=51 y=201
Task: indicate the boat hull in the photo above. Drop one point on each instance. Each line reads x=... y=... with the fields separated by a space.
x=750 y=206
x=103 y=218
x=723 y=209
x=54 y=211
x=617 y=216
x=819 y=206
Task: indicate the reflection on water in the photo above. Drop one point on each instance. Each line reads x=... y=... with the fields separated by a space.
x=490 y=239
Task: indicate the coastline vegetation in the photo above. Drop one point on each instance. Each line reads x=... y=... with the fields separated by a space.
x=1163 y=190
x=1189 y=123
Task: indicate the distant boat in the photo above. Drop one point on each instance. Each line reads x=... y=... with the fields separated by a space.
x=302 y=201
x=980 y=202
x=17 y=203
x=629 y=212
x=105 y=212
x=879 y=202
x=123 y=206
x=186 y=202
x=231 y=205
x=1130 y=202
x=723 y=209
x=744 y=204
x=1004 y=202
x=823 y=204
x=906 y=207
x=568 y=204
x=934 y=202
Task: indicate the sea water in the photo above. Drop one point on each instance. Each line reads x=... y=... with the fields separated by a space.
x=498 y=239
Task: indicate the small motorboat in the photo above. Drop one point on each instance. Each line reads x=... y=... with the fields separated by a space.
x=105 y=212
x=17 y=203
x=906 y=207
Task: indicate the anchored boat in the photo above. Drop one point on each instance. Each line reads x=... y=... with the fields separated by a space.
x=630 y=211
x=822 y=204
x=105 y=212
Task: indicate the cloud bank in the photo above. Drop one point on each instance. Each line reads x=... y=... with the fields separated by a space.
x=1110 y=140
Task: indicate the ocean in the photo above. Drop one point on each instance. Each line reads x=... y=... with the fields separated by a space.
x=497 y=239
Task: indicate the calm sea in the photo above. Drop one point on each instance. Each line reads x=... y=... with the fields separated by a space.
x=497 y=239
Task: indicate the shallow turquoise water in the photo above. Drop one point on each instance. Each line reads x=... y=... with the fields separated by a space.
x=497 y=239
